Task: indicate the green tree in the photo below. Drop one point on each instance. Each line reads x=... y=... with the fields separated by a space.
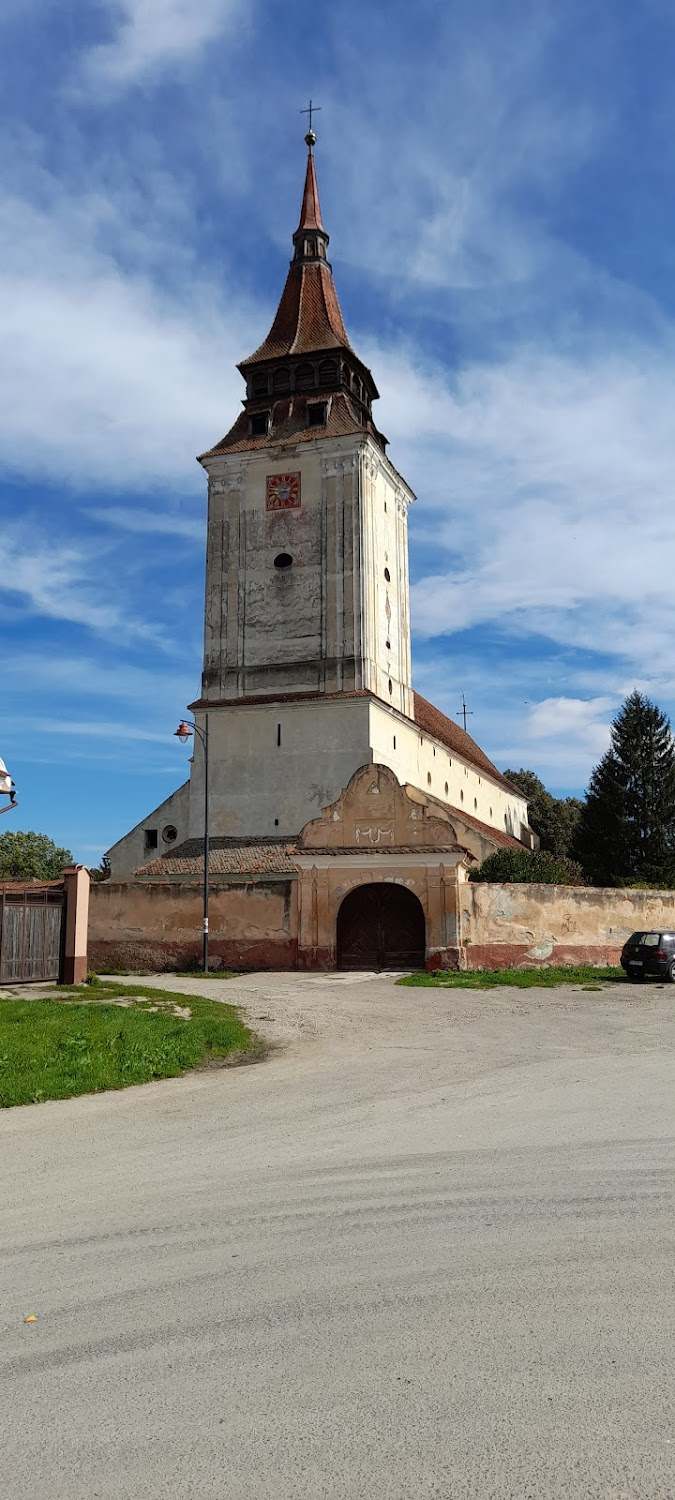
x=554 y=819
x=31 y=856
x=525 y=866
x=627 y=828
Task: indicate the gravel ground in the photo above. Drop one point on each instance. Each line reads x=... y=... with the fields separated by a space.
x=426 y=1250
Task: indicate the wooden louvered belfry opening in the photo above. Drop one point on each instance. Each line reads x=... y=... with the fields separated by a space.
x=32 y=931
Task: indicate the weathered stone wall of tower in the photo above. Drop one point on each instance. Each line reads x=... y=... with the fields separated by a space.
x=336 y=617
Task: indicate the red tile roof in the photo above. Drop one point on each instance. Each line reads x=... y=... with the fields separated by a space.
x=308 y=319
x=227 y=856
x=435 y=723
x=310 y=213
x=289 y=425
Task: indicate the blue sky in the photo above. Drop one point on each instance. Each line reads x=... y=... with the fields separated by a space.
x=497 y=180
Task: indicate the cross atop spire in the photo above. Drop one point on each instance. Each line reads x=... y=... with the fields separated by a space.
x=310 y=138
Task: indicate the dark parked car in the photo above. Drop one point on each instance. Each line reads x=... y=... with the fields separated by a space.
x=650 y=954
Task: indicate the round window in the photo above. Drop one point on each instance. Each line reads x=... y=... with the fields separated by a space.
x=283 y=560
x=169 y=834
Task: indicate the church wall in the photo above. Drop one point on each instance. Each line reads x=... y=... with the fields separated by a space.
x=424 y=762
x=157 y=925
x=133 y=850
x=386 y=616
x=255 y=780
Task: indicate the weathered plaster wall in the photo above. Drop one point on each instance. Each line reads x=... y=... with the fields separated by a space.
x=132 y=851
x=332 y=621
x=512 y=926
x=273 y=768
x=424 y=762
x=136 y=925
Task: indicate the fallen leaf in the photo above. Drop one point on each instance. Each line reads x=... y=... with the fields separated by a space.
x=31 y=1318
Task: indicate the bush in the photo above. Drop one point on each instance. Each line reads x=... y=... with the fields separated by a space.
x=525 y=867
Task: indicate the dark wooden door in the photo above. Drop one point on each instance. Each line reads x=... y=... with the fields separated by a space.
x=381 y=927
x=31 y=933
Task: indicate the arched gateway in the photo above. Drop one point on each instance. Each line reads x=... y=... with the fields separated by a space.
x=381 y=926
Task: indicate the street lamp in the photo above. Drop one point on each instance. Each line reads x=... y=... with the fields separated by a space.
x=7 y=788
x=184 y=732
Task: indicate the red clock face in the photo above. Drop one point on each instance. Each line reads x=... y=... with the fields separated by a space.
x=283 y=491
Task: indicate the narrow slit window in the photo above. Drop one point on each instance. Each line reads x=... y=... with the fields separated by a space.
x=278 y=734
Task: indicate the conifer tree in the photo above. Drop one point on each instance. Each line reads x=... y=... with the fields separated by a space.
x=627 y=827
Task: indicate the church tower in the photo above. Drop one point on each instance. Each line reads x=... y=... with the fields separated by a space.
x=307 y=673
x=307 y=552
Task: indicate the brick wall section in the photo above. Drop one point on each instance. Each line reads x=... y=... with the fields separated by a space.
x=158 y=926
x=520 y=926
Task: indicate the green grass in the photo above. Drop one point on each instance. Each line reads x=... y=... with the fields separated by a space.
x=76 y=1043
x=522 y=979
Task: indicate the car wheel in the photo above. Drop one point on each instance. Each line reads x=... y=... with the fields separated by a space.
x=671 y=972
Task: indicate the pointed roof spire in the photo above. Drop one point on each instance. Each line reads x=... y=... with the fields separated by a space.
x=308 y=318
x=310 y=213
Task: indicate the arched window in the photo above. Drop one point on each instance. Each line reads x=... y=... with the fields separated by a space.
x=281 y=381
x=304 y=378
x=260 y=383
x=328 y=372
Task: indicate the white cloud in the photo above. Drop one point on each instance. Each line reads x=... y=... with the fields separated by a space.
x=551 y=483
x=105 y=378
x=150 y=523
x=63 y=582
x=156 y=33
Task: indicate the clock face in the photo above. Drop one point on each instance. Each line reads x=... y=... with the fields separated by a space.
x=283 y=491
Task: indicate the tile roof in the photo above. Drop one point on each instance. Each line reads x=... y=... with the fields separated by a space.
x=308 y=320
x=435 y=723
x=289 y=424
x=310 y=213
x=227 y=856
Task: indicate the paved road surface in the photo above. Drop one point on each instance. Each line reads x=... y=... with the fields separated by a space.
x=425 y=1251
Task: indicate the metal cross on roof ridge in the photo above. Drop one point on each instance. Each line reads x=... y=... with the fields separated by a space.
x=464 y=712
x=314 y=109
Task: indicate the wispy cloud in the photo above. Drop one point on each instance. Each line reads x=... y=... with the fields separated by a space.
x=63 y=583
x=154 y=34
x=149 y=523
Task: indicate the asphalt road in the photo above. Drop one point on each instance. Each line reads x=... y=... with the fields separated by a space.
x=427 y=1250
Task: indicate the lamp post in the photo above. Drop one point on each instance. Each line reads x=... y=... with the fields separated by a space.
x=7 y=788
x=184 y=732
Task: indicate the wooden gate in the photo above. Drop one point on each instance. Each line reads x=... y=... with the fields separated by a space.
x=380 y=926
x=32 y=923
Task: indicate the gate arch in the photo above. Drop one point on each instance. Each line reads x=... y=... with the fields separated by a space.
x=381 y=926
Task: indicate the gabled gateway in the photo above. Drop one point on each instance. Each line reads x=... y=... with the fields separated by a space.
x=307 y=664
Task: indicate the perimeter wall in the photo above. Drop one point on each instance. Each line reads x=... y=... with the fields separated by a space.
x=511 y=926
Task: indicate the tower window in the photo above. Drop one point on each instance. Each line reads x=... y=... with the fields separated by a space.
x=259 y=424
x=283 y=560
x=387 y=575
x=328 y=372
x=394 y=741
x=475 y=804
x=278 y=734
x=281 y=381
x=391 y=686
x=304 y=378
x=317 y=412
x=151 y=840
x=259 y=384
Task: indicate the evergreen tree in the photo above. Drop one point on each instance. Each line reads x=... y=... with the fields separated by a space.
x=553 y=819
x=31 y=856
x=627 y=827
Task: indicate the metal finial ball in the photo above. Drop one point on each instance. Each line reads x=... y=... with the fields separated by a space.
x=310 y=138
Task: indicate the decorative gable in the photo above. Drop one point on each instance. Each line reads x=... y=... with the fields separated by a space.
x=375 y=812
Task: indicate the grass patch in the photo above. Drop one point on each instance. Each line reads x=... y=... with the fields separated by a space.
x=521 y=979
x=79 y=1043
